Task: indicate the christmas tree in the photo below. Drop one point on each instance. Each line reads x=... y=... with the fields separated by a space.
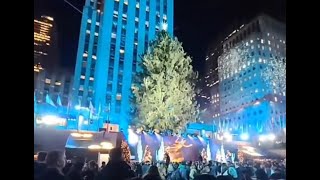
x=165 y=96
x=125 y=151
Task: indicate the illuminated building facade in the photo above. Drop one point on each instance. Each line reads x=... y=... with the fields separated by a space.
x=45 y=42
x=54 y=84
x=247 y=103
x=210 y=85
x=113 y=36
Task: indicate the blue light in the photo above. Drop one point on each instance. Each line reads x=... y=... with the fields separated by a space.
x=133 y=138
x=244 y=136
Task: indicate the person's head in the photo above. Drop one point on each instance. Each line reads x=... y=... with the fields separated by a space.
x=92 y=165
x=224 y=166
x=116 y=155
x=79 y=163
x=56 y=159
x=42 y=156
x=153 y=170
x=206 y=170
x=103 y=163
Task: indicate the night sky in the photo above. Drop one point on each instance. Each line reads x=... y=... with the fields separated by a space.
x=196 y=24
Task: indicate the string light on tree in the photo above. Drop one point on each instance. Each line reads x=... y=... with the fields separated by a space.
x=275 y=75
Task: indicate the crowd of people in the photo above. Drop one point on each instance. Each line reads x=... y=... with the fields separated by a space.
x=54 y=166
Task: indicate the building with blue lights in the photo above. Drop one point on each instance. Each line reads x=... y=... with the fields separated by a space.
x=113 y=36
x=247 y=103
x=58 y=83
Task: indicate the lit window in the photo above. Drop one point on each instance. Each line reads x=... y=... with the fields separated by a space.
x=113 y=35
x=278 y=46
x=262 y=41
x=268 y=34
x=147 y=23
x=251 y=41
x=96 y=34
x=81 y=88
x=280 y=40
x=82 y=77
x=136 y=43
x=118 y=97
x=57 y=83
x=147 y=8
x=91 y=78
x=165 y=17
x=262 y=47
x=259 y=46
x=284 y=41
x=94 y=57
x=115 y=12
x=121 y=51
x=256 y=91
x=137 y=5
x=85 y=55
x=89 y=20
x=275 y=99
x=270 y=48
x=252 y=47
x=124 y=15
x=247 y=43
x=260 y=60
x=269 y=42
x=97 y=23
x=88 y=31
x=126 y=2
x=48 y=81
x=136 y=19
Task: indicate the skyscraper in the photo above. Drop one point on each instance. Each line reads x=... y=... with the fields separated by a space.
x=113 y=36
x=45 y=42
x=247 y=101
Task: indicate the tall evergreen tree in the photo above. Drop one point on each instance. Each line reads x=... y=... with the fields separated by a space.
x=165 y=96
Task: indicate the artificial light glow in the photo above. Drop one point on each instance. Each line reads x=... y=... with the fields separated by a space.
x=106 y=145
x=164 y=26
x=79 y=135
x=57 y=83
x=121 y=51
x=94 y=147
x=77 y=107
x=244 y=136
x=50 y=120
x=133 y=138
x=262 y=138
x=227 y=136
x=271 y=137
